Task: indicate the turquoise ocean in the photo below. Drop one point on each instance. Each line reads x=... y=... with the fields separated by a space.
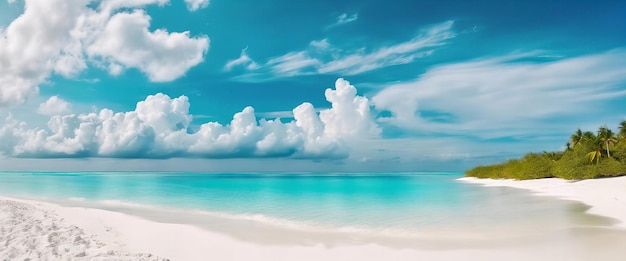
x=394 y=203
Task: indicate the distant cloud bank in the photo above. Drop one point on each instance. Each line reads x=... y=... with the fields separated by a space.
x=159 y=127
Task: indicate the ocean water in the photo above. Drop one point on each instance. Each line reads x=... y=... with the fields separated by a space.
x=407 y=203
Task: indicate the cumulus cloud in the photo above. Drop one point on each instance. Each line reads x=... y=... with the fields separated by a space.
x=54 y=106
x=321 y=57
x=163 y=56
x=504 y=96
x=36 y=44
x=159 y=127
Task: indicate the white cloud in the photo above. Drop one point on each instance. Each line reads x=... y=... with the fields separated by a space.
x=280 y=114
x=344 y=19
x=323 y=58
x=163 y=56
x=112 y=5
x=34 y=45
x=350 y=113
x=159 y=127
x=293 y=63
x=54 y=106
x=321 y=44
x=243 y=60
x=194 y=5
x=37 y=44
x=115 y=69
x=504 y=96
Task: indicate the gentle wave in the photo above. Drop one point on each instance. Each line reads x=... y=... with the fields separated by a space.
x=285 y=223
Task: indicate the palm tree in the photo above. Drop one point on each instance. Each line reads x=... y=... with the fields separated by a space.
x=568 y=146
x=576 y=138
x=595 y=154
x=588 y=136
x=622 y=130
x=607 y=137
x=595 y=142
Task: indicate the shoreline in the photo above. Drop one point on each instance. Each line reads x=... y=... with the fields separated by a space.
x=254 y=228
x=605 y=197
x=135 y=237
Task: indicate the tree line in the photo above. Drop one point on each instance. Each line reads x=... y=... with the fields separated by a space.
x=587 y=155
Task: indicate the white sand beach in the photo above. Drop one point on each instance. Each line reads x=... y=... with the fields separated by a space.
x=32 y=231
x=606 y=197
x=35 y=230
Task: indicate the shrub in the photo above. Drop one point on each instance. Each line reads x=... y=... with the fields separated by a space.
x=619 y=152
x=531 y=166
x=610 y=168
x=573 y=165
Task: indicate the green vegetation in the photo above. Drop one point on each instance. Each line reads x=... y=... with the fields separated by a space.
x=587 y=155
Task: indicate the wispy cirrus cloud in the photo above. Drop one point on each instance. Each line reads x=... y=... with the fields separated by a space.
x=322 y=57
x=243 y=60
x=507 y=96
x=344 y=19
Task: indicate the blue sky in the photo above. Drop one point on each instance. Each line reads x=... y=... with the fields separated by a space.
x=199 y=85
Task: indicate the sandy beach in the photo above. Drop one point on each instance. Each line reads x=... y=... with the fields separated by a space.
x=32 y=231
x=606 y=197
x=38 y=230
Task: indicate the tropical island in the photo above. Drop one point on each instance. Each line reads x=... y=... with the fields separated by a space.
x=587 y=155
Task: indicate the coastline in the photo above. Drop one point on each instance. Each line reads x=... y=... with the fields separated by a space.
x=605 y=196
x=124 y=236
x=120 y=234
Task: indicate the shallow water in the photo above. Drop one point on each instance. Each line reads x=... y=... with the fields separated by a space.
x=408 y=204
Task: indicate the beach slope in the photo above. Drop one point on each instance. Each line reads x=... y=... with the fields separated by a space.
x=605 y=196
